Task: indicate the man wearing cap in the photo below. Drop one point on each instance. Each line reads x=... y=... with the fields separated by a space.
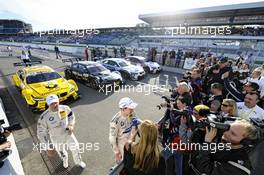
x=121 y=126
x=56 y=124
x=224 y=66
x=237 y=94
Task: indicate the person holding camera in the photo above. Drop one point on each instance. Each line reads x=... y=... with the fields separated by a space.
x=196 y=83
x=178 y=114
x=217 y=94
x=233 y=159
x=4 y=145
x=182 y=89
x=57 y=125
x=121 y=127
x=143 y=157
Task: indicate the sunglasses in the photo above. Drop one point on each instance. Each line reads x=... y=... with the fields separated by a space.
x=225 y=105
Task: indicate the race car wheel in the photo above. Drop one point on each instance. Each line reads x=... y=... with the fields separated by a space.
x=68 y=74
x=125 y=75
x=93 y=84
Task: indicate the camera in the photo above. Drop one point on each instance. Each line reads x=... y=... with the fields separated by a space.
x=11 y=128
x=167 y=102
x=220 y=123
x=5 y=153
x=187 y=76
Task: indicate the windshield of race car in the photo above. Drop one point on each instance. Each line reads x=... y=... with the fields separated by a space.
x=93 y=69
x=41 y=77
x=122 y=63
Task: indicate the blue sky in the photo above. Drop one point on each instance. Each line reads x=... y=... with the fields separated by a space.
x=69 y=14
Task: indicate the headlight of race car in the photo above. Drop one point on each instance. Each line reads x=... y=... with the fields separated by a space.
x=72 y=89
x=133 y=74
x=38 y=98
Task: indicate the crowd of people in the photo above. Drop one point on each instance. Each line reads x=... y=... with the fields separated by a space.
x=209 y=125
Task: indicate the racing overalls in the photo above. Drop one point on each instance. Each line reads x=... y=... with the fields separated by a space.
x=52 y=127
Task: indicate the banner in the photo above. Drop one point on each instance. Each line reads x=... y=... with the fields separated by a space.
x=189 y=62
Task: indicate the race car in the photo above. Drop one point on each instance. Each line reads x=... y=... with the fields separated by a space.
x=148 y=66
x=37 y=82
x=93 y=74
x=127 y=70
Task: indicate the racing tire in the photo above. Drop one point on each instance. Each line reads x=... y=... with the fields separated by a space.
x=125 y=75
x=68 y=74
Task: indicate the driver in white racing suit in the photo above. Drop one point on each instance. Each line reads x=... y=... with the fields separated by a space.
x=56 y=124
x=121 y=127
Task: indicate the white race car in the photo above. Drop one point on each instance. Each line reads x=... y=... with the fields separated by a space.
x=148 y=66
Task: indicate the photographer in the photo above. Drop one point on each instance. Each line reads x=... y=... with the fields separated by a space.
x=179 y=114
x=4 y=145
x=231 y=159
x=212 y=76
x=183 y=89
x=217 y=94
x=196 y=83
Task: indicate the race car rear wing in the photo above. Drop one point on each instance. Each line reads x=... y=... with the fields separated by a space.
x=26 y=64
x=71 y=60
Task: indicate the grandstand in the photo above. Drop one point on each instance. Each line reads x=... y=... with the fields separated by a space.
x=245 y=22
x=14 y=27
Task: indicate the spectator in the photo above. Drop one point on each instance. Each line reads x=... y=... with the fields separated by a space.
x=214 y=107
x=57 y=52
x=233 y=160
x=143 y=157
x=257 y=78
x=196 y=83
x=224 y=66
x=115 y=52
x=87 y=53
x=229 y=108
x=164 y=57
x=249 y=108
x=178 y=58
x=217 y=94
x=172 y=55
x=4 y=145
x=9 y=50
x=235 y=93
x=25 y=58
x=29 y=52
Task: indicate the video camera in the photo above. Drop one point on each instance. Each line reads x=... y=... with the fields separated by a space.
x=220 y=123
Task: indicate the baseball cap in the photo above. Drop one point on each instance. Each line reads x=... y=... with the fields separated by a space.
x=127 y=103
x=258 y=69
x=51 y=99
x=253 y=85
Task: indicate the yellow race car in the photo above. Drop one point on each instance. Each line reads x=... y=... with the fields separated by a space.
x=37 y=82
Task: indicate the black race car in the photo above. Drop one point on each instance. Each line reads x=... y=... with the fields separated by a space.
x=93 y=74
